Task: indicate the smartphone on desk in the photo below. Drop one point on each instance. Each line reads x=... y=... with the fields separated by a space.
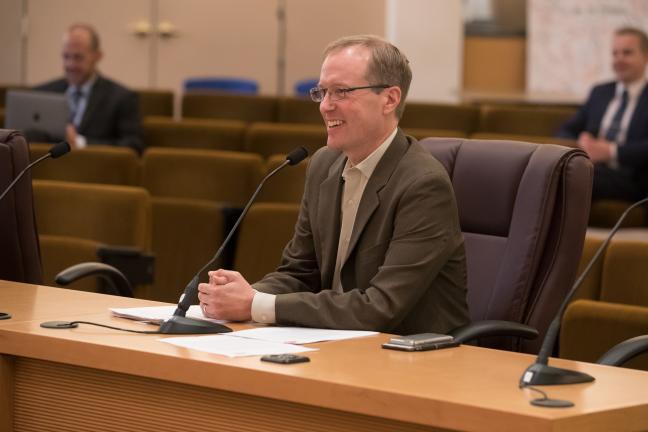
x=420 y=342
x=285 y=358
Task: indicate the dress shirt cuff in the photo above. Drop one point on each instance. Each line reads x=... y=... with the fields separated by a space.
x=614 y=153
x=263 y=308
x=81 y=142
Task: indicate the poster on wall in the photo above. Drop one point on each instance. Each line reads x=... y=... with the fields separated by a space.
x=569 y=42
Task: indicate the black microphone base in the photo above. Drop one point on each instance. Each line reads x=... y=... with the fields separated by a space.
x=540 y=374
x=184 y=325
x=59 y=325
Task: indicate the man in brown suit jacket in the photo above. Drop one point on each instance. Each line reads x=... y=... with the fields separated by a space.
x=377 y=244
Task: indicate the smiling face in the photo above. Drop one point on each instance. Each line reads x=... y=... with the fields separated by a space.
x=363 y=119
x=628 y=60
x=80 y=58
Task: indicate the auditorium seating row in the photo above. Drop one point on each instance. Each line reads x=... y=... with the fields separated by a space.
x=612 y=302
x=467 y=119
x=272 y=138
x=183 y=171
x=76 y=221
x=279 y=138
x=163 y=199
x=234 y=135
x=248 y=123
x=533 y=120
x=213 y=175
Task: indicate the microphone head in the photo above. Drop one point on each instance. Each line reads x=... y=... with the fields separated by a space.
x=296 y=156
x=59 y=149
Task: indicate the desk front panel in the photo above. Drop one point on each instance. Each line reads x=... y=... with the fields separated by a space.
x=464 y=388
x=57 y=397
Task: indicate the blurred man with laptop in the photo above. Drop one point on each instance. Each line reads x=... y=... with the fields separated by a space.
x=101 y=111
x=41 y=116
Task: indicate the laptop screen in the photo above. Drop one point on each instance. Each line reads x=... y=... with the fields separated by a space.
x=41 y=116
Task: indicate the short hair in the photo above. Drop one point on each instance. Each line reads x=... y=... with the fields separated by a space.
x=633 y=31
x=388 y=65
x=94 y=36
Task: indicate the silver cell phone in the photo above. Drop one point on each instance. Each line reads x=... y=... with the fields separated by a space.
x=420 y=339
x=420 y=342
x=285 y=358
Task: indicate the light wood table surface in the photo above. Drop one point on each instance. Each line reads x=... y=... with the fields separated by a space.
x=98 y=379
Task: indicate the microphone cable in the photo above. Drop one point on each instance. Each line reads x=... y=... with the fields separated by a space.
x=546 y=401
x=75 y=324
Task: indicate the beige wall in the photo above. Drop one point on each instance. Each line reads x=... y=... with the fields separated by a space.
x=10 y=37
x=430 y=33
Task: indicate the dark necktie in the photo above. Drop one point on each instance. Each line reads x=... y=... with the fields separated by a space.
x=76 y=101
x=612 y=133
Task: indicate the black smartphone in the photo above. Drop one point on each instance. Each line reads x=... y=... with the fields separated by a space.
x=285 y=358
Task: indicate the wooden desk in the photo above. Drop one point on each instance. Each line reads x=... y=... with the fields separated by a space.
x=97 y=379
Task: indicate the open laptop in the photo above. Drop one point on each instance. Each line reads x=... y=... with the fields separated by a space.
x=41 y=116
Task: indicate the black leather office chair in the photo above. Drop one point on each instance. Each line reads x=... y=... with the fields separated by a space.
x=20 y=251
x=523 y=210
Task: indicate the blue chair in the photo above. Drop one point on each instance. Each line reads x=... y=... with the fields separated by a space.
x=229 y=85
x=302 y=88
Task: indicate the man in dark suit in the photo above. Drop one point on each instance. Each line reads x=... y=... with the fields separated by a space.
x=102 y=111
x=612 y=126
x=377 y=244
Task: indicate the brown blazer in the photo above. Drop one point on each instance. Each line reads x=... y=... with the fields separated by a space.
x=405 y=272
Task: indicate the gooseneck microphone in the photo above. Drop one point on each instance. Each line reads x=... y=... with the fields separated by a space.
x=540 y=373
x=56 y=151
x=179 y=323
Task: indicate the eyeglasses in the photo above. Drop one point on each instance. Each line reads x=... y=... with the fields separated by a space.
x=317 y=94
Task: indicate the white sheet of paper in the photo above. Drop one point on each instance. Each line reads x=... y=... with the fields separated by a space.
x=234 y=346
x=299 y=335
x=157 y=314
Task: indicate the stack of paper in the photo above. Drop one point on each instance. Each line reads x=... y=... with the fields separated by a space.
x=232 y=346
x=157 y=314
x=299 y=335
x=255 y=341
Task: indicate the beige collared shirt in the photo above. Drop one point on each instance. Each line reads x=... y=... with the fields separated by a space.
x=355 y=180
